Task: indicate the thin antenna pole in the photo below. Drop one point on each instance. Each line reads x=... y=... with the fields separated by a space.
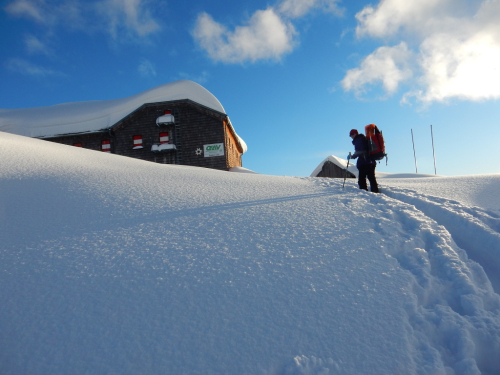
x=433 y=153
x=414 y=154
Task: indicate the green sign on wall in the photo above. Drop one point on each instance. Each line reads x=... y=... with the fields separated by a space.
x=216 y=149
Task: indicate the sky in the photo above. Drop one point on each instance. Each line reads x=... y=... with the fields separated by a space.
x=294 y=76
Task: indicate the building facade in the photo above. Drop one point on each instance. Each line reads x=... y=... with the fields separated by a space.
x=174 y=132
x=177 y=123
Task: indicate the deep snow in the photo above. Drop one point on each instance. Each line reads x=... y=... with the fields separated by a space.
x=113 y=265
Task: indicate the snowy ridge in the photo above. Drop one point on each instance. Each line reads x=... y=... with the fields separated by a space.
x=146 y=268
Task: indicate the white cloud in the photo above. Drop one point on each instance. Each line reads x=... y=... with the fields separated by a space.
x=119 y=17
x=28 y=8
x=35 y=46
x=267 y=36
x=387 y=65
x=146 y=68
x=299 y=8
x=456 y=49
x=200 y=78
x=456 y=68
x=27 y=68
x=392 y=15
x=131 y=15
x=49 y=13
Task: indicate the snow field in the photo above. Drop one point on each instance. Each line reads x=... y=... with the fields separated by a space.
x=113 y=265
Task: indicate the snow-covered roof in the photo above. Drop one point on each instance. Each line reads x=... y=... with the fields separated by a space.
x=342 y=163
x=92 y=116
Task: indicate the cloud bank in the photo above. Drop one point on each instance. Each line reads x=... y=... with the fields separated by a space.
x=268 y=35
x=455 y=51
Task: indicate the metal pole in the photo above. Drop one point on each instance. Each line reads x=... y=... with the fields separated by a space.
x=414 y=154
x=345 y=172
x=433 y=153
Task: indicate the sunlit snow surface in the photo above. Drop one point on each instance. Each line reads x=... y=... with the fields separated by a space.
x=111 y=265
x=478 y=190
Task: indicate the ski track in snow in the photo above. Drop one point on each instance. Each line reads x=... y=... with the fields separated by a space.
x=474 y=229
x=144 y=268
x=454 y=295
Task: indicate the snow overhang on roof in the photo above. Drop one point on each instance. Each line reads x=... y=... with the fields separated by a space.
x=165 y=120
x=95 y=116
x=241 y=142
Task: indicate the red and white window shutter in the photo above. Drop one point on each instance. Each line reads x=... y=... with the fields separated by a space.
x=137 y=142
x=106 y=146
x=164 y=138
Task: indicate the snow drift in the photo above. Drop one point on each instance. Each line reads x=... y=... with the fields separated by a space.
x=115 y=265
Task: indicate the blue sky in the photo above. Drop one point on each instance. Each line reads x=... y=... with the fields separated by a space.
x=293 y=75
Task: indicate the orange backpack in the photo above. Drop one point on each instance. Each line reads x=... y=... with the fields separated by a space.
x=376 y=144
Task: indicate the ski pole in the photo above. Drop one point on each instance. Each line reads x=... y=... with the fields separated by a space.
x=345 y=172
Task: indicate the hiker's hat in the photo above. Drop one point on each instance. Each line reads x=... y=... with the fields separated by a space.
x=353 y=132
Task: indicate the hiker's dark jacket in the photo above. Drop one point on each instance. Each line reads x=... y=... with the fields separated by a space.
x=361 y=151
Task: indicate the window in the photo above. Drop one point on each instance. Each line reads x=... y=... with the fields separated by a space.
x=164 y=138
x=106 y=146
x=137 y=142
x=167 y=118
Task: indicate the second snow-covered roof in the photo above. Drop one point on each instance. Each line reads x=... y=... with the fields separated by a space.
x=92 y=116
x=342 y=163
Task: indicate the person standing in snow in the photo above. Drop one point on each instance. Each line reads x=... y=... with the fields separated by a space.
x=366 y=166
